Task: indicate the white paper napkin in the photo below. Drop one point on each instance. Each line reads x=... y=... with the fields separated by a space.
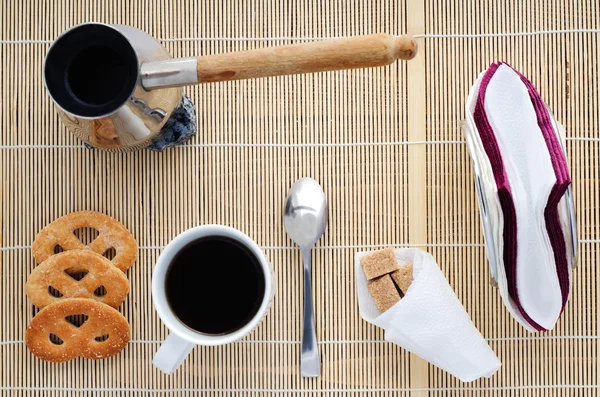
x=490 y=209
x=493 y=223
x=430 y=321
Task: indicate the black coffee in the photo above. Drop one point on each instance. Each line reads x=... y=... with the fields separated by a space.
x=215 y=285
x=97 y=75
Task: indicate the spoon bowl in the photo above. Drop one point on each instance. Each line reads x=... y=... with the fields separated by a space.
x=306 y=214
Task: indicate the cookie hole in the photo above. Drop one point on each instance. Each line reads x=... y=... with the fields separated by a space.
x=101 y=338
x=77 y=319
x=100 y=291
x=110 y=253
x=86 y=234
x=56 y=340
x=54 y=292
x=58 y=249
x=77 y=275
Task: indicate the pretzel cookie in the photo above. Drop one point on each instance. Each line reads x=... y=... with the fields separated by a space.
x=55 y=273
x=112 y=234
x=52 y=337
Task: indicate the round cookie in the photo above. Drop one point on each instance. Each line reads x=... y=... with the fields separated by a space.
x=55 y=273
x=112 y=234
x=52 y=337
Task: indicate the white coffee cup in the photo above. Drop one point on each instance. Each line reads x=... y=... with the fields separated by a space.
x=178 y=345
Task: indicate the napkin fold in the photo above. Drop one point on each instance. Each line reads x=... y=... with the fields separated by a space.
x=429 y=320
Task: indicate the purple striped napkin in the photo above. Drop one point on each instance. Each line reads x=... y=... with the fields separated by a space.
x=522 y=143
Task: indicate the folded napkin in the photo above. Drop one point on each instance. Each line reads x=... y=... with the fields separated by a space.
x=521 y=173
x=429 y=320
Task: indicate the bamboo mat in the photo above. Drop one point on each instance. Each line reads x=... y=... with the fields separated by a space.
x=385 y=143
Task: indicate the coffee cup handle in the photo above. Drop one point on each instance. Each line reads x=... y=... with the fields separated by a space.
x=173 y=351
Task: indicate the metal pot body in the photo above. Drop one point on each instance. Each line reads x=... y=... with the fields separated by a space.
x=137 y=116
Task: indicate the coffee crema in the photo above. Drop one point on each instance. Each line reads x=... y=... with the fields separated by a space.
x=215 y=285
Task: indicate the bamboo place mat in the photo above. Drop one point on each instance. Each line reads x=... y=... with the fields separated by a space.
x=385 y=143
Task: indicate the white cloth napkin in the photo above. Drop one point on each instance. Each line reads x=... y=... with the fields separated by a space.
x=430 y=321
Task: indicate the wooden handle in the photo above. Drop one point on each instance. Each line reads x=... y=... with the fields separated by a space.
x=338 y=54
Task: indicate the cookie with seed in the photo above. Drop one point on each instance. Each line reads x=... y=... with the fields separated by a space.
x=112 y=234
x=56 y=279
x=52 y=335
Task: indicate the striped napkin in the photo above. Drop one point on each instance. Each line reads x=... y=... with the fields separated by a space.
x=523 y=184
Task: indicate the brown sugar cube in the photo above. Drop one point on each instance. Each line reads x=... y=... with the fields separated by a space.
x=379 y=263
x=384 y=293
x=403 y=277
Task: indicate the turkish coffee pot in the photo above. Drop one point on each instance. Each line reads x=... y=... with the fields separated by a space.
x=115 y=86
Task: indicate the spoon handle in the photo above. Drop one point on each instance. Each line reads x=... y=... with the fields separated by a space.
x=310 y=363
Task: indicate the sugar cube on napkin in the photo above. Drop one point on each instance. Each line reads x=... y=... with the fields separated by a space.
x=384 y=292
x=379 y=263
